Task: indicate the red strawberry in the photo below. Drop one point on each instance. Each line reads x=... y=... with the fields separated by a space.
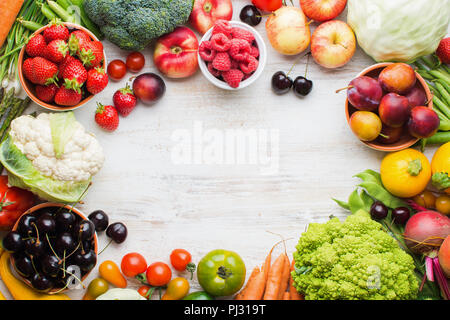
x=56 y=51
x=36 y=46
x=40 y=71
x=46 y=93
x=124 y=100
x=77 y=39
x=66 y=61
x=107 y=117
x=56 y=31
x=97 y=80
x=67 y=97
x=74 y=75
x=91 y=53
x=233 y=77
x=443 y=50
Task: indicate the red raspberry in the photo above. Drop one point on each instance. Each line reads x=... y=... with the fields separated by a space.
x=222 y=62
x=254 y=51
x=222 y=26
x=206 y=51
x=249 y=65
x=234 y=64
x=239 y=33
x=246 y=76
x=239 y=49
x=214 y=72
x=233 y=77
x=220 y=42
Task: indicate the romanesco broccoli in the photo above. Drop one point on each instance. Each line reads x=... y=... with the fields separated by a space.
x=354 y=259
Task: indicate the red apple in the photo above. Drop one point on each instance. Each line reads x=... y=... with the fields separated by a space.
x=333 y=44
x=394 y=110
x=423 y=122
x=206 y=12
x=322 y=10
x=176 y=53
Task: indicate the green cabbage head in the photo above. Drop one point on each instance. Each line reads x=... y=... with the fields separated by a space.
x=399 y=30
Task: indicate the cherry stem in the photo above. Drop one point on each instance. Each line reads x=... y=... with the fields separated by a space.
x=384 y=136
x=105 y=247
x=346 y=88
x=307 y=63
x=37 y=232
x=295 y=62
x=51 y=248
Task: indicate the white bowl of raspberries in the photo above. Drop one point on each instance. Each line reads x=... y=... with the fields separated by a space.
x=62 y=66
x=232 y=55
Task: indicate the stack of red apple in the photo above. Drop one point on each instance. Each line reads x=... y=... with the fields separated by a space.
x=231 y=54
x=389 y=104
x=64 y=65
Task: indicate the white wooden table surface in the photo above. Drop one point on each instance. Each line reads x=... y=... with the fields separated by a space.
x=201 y=207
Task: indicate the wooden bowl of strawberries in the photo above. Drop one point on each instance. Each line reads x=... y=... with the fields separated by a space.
x=62 y=66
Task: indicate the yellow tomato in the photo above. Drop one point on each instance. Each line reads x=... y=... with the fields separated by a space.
x=443 y=205
x=177 y=289
x=405 y=173
x=440 y=167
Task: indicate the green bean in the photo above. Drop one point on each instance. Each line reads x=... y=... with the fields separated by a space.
x=446 y=68
x=47 y=12
x=378 y=192
x=87 y=22
x=440 y=138
x=63 y=14
x=430 y=62
x=425 y=74
x=30 y=25
x=440 y=75
x=441 y=106
x=445 y=84
x=441 y=116
x=342 y=204
x=445 y=95
x=63 y=3
x=444 y=125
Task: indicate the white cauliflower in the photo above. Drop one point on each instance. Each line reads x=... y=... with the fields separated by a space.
x=82 y=156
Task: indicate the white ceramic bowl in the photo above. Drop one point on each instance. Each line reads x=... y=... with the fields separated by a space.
x=262 y=59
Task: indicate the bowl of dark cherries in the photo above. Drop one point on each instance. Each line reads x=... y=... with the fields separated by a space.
x=54 y=245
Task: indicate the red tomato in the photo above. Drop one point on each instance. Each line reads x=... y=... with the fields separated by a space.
x=135 y=61
x=180 y=258
x=158 y=274
x=268 y=5
x=117 y=69
x=133 y=264
x=13 y=202
x=144 y=291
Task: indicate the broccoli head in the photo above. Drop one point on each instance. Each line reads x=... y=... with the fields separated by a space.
x=354 y=259
x=133 y=24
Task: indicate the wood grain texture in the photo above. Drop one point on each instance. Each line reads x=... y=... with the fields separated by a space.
x=204 y=207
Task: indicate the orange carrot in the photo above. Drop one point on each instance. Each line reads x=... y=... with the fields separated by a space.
x=284 y=277
x=9 y=9
x=294 y=293
x=274 y=278
x=250 y=280
x=286 y=295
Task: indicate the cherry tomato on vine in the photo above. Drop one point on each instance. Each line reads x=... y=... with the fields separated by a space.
x=158 y=274
x=135 y=61
x=177 y=289
x=133 y=264
x=268 y=5
x=181 y=260
x=145 y=291
x=117 y=69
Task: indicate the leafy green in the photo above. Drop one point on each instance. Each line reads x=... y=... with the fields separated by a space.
x=63 y=125
x=22 y=174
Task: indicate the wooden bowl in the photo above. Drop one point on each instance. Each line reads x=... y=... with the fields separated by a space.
x=53 y=205
x=29 y=87
x=406 y=140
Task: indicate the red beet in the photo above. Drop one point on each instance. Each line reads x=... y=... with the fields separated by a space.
x=425 y=231
x=423 y=122
x=364 y=93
